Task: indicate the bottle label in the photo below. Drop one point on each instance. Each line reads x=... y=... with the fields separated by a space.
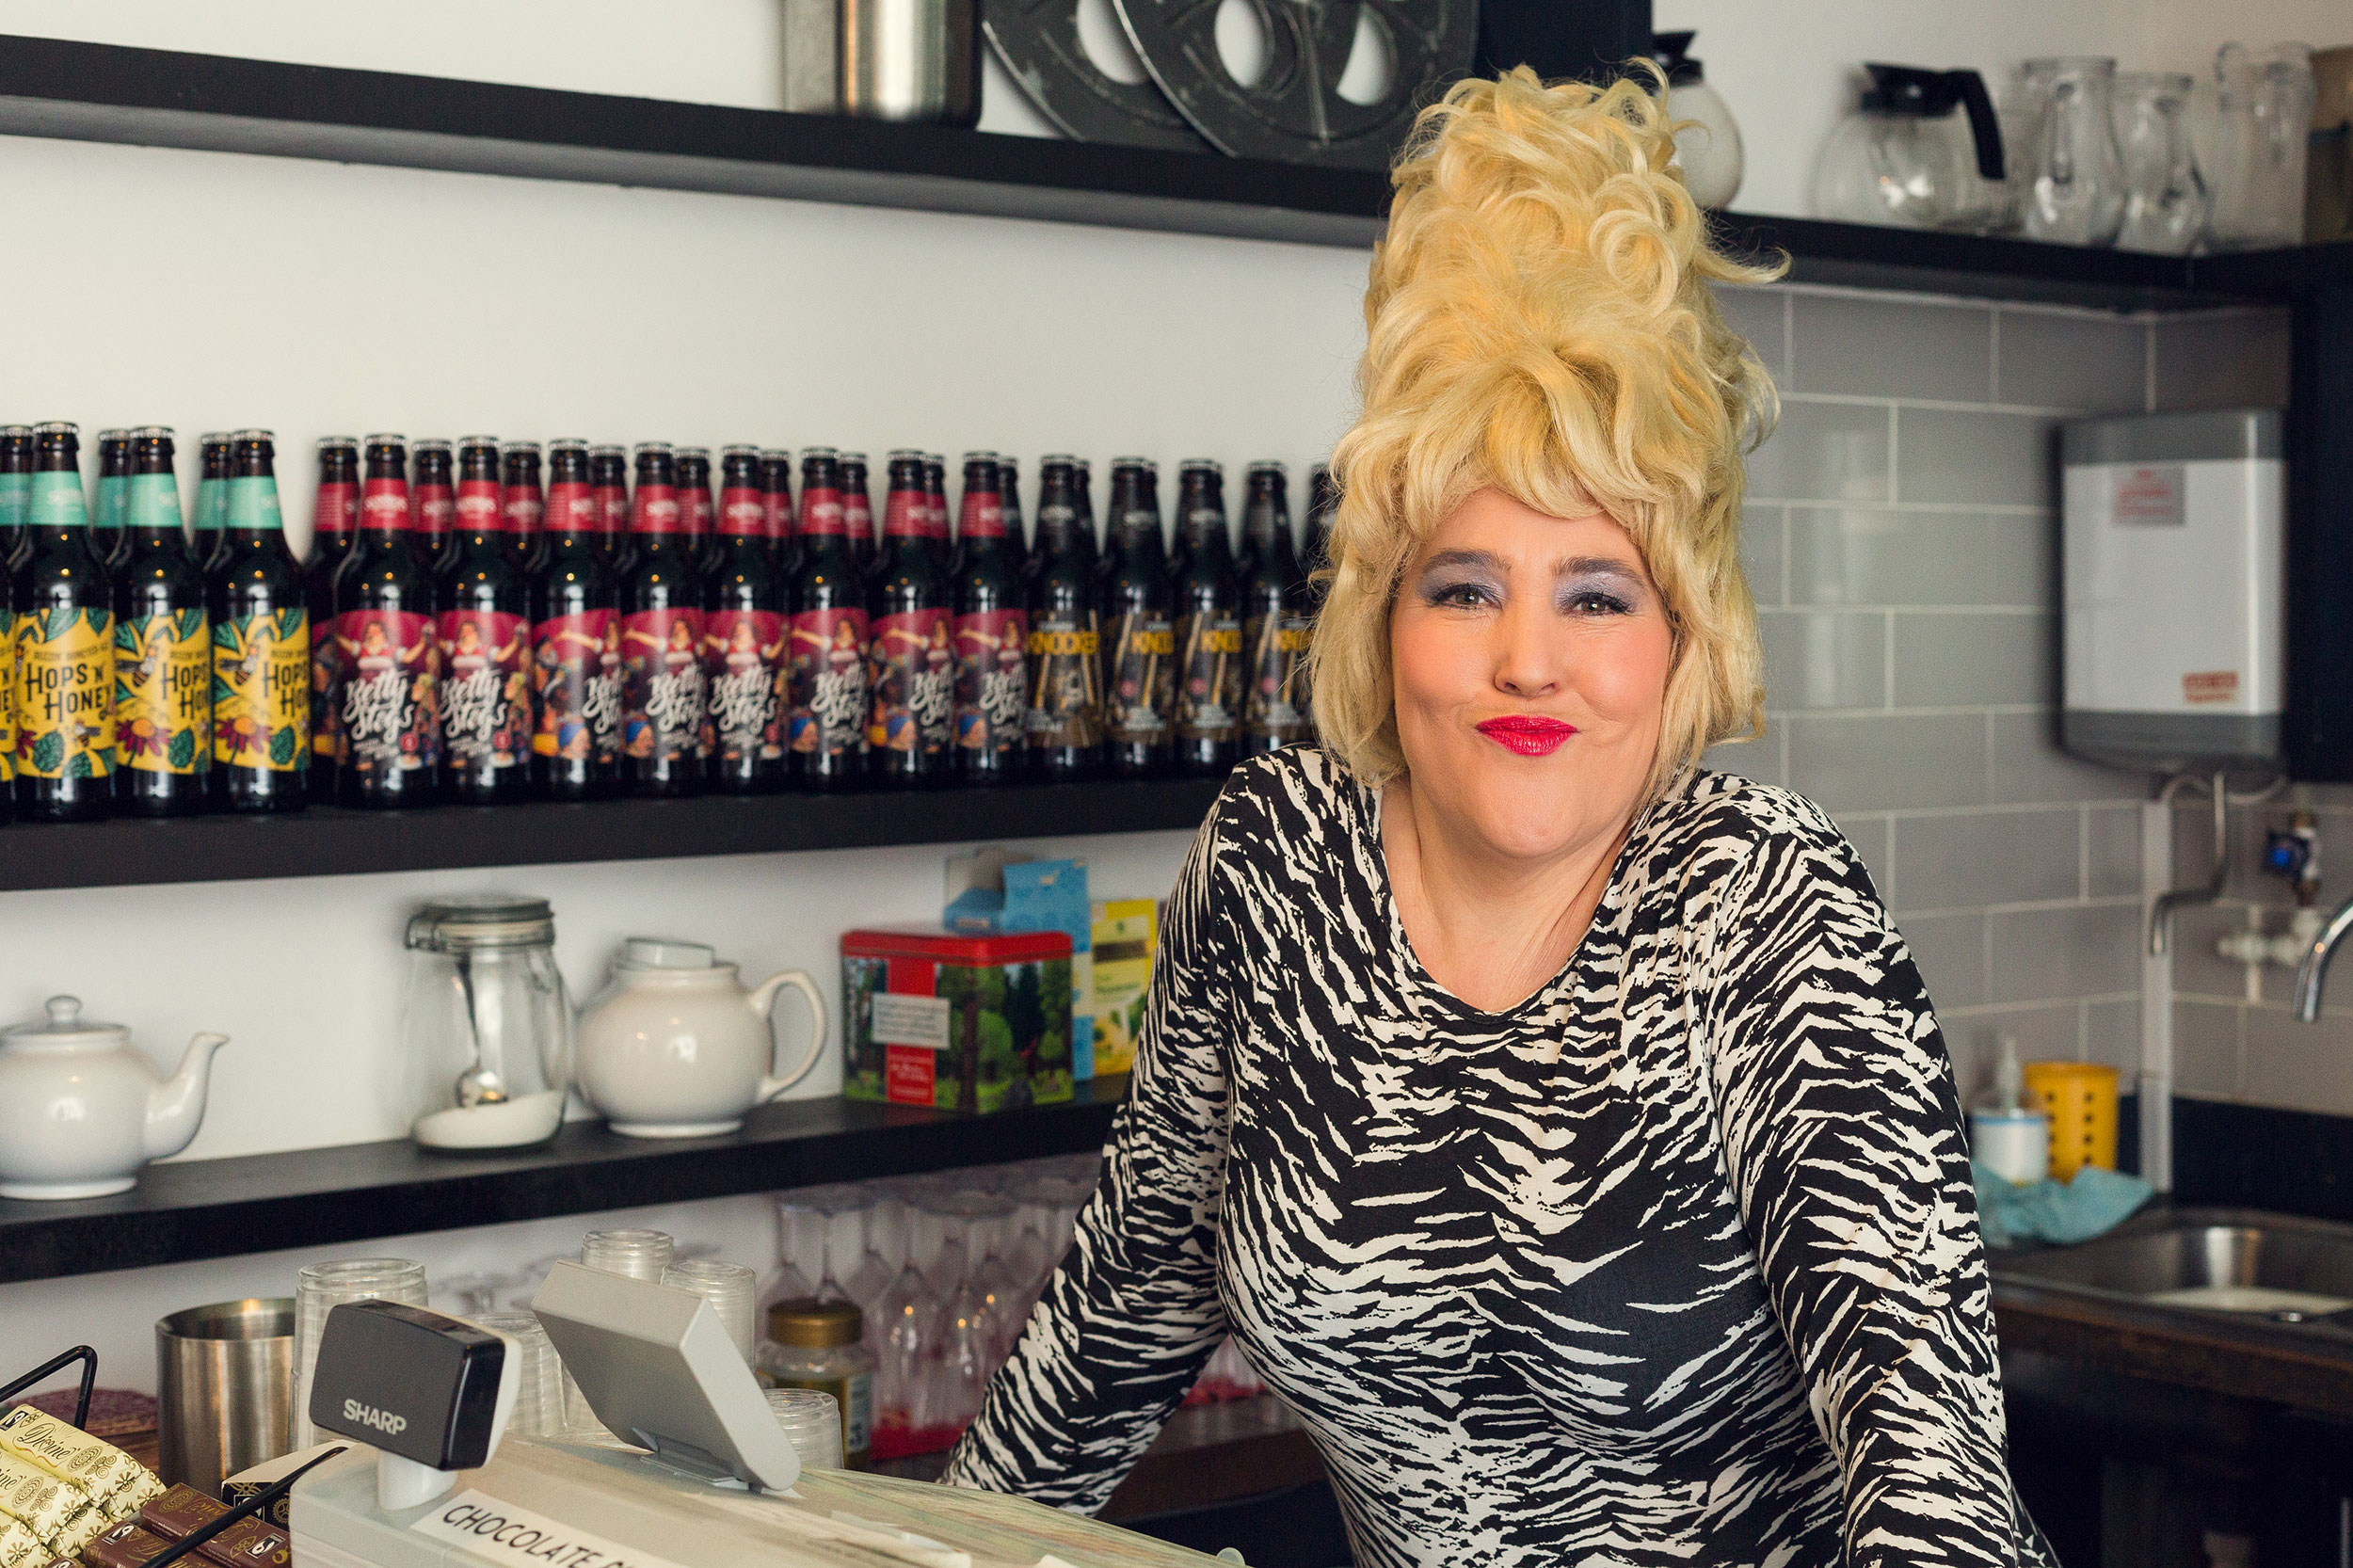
x=336 y=512
x=613 y=510
x=742 y=514
x=1276 y=708
x=113 y=502
x=1139 y=684
x=153 y=501
x=656 y=511
x=65 y=694
x=907 y=515
x=911 y=683
x=261 y=690
x=822 y=512
x=253 y=503
x=8 y=690
x=16 y=490
x=523 y=509
x=745 y=650
x=391 y=711
x=383 y=505
x=578 y=659
x=776 y=513
x=1066 y=706
x=857 y=515
x=665 y=713
x=326 y=698
x=477 y=506
x=829 y=681
x=984 y=517
x=992 y=680
x=572 y=508
x=696 y=504
x=437 y=510
x=1209 y=699
x=486 y=694
x=164 y=690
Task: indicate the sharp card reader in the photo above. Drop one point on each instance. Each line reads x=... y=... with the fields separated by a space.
x=430 y=1393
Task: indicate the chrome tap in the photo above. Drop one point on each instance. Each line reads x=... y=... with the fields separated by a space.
x=2313 y=973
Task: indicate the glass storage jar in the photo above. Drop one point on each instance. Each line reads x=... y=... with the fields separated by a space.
x=487 y=1030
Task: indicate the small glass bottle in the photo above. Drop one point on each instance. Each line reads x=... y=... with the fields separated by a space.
x=816 y=1344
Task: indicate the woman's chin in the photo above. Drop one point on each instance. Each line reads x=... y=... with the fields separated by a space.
x=1523 y=810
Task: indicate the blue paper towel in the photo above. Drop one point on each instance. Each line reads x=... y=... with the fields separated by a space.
x=2095 y=1202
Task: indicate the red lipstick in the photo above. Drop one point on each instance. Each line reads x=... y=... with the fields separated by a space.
x=1529 y=734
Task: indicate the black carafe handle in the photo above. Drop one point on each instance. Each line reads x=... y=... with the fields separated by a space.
x=1985 y=128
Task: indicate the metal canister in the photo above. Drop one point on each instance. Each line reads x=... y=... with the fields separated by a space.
x=910 y=60
x=224 y=1382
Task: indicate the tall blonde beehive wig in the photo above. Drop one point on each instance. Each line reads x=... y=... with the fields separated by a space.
x=1539 y=321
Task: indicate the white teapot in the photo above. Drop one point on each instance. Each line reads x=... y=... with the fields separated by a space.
x=81 y=1111
x=677 y=1048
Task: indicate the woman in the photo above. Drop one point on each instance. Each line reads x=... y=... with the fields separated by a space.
x=1562 y=1128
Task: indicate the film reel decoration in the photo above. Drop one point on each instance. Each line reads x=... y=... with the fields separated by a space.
x=1038 y=42
x=1294 y=112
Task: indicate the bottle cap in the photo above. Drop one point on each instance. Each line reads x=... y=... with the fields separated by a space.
x=811 y=1323
x=56 y=428
x=432 y=444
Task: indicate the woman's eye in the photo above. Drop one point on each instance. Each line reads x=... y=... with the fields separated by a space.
x=1464 y=595
x=1593 y=601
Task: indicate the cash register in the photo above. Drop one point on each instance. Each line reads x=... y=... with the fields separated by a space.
x=692 y=1471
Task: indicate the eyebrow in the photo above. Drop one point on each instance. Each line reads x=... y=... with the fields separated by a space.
x=1568 y=566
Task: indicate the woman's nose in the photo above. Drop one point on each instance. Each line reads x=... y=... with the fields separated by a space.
x=1526 y=652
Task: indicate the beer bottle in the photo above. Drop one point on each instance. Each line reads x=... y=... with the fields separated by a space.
x=1274 y=622
x=162 y=645
x=825 y=718
x=858 y=509
x=666 y=717
x=65 y=646
x=334 y=523
x=1208 y=626
x=212 y=499
x=776 y=499
x=992 y=631
x=111 y=513
x=1139 y=644
x=261 y=619
x=936 y=507
x=910 y=668
x=434 y=505
x=524 y=504
x=745 y=605
x=1315 y=563
x=694 y=499
x=608 y=480
x=1009 y=499
x=389 y=731
x=1065 y=716
x=576 y=637
x=16 y=488
x=484 y=628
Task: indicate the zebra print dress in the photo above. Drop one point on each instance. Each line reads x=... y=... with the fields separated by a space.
x=1676 y=1262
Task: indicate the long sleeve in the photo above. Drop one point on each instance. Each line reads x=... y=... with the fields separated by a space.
x=1844 y=1144
x=1131 y=1314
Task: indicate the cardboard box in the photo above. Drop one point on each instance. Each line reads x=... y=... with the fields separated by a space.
x=973 y=1023
x=1126 y=933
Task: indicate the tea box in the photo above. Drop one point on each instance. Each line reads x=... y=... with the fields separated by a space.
x=974 y=1023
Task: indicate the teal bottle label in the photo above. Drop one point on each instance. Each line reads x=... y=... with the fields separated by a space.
x=152 y=500
x=253 y=503
x=211 y=516
x=58 y=501
x=114 y=502
x=16 y=491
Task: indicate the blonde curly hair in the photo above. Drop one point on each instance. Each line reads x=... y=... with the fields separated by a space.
x=1539 y=321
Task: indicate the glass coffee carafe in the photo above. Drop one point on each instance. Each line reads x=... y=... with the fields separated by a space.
x=487 y=1030
x=1921 y=150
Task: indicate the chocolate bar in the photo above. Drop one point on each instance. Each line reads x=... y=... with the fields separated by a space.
x=279 y=1512
x=247 y=1544
x=92 y=1464
x=125 y=1546
x=143 y=1488
x=41 y=1500
x=19 y=1547
x=78 y=1532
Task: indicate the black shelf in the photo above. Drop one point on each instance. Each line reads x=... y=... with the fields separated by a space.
x=202 y=1208
x=323 y=842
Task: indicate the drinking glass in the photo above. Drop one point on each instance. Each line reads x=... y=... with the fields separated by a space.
x=2023 y=102
x=812 y=1422
x=2164 y=200
x=539 y=1389
x=636 y=1253
x=729 y=1287
x=2077 y=195
x=323 y=1287
x=2264 y=115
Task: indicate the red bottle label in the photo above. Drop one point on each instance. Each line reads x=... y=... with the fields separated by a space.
x=936 y=516
x=745 y=658
x=776 y=521
x=857 y=515
x=656 y=511
x=338 y=509
x=524 y=510
x=613 y=510
x=437 y=510
x=577 y=661
x=384 y=503
x=742 y=514
x=992 y=680
x=390 y=710
x=907 y=515
x=478 y=506
x=486 y=694
x=822 y=512
x=827 y=676
x=665 y=710
x=696 y=501
x=572 y=508
x=984 y=515
x=911 y=683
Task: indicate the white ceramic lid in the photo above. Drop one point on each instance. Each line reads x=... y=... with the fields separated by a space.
x=65 y=1026
x=665 y=952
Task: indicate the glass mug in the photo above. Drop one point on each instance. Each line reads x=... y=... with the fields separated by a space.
x=2075 y=194
x=2264 y=114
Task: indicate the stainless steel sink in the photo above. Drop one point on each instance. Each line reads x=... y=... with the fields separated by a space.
x=2242 y=1263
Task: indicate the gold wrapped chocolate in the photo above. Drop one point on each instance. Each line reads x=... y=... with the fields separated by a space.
x=142 y=1488
x=37 y=1499
x=19 y=1545
x=78 y=1532
x=92 y=1464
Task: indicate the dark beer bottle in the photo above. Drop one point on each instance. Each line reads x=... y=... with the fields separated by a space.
x=260 y=617
x=1315 y=564
x=212 y=499
x=522 y=502
x=434 y=503
x=825 y=716
x=576 y=638
x=65 y=646
x=484 y=628
x=1274 y=625
x=666 y=715
x=163 y=646
x=992 y=633
x=936 y=507
x=745 y=602
x=608 y=480
x=1208 y=626
x=776 y=499
x=910 y=668
x=334 y=524
x=16 y=488
x=389 y=729
x=1065 y=716
x=1009 y=499
x=1139 y=635
x=694 y=499
x=110 y=513
x=858 y=509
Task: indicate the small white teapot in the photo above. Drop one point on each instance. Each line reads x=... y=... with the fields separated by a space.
x=676 y=1047
x=81 y=1111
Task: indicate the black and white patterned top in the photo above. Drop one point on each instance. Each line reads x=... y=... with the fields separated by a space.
x=1676 y=1262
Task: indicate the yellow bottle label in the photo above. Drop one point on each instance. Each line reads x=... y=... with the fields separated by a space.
x=8 y=694
x=65 y=694
x=163 y=693
x=261 y=690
